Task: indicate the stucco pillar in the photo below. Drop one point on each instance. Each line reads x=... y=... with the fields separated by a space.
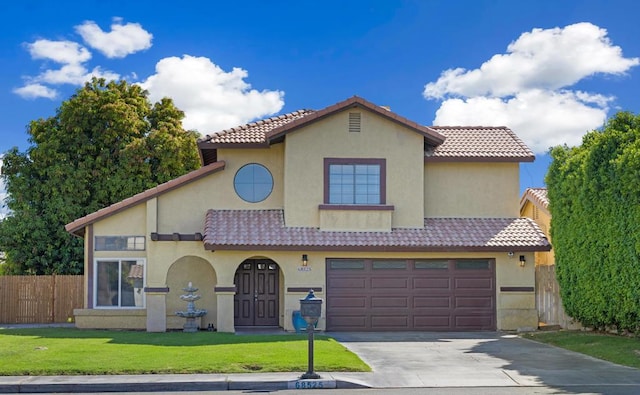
x=156 y=309
x=225 y=297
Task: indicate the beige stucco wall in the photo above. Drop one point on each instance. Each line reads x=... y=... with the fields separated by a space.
x=481 y=189
x=183 y=210
x=516 y=309
x=305 y=151
x=170 y=264
x=356 y=220
x=110 y=318
x=542 y=217
x=131 y=222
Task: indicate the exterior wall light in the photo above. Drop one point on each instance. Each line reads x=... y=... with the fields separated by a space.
x=522 y=261
x=305 y=260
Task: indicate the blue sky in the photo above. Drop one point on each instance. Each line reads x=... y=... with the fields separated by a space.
x=550 y=70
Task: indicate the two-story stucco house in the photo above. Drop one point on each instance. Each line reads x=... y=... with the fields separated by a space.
x=395 y=225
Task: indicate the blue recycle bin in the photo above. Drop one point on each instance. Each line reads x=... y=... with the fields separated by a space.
x=299 y=323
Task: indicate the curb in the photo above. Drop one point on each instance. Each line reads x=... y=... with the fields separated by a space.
x=222 y=384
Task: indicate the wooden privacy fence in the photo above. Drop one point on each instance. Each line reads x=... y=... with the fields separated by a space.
x=549 y=301
x=39 y=299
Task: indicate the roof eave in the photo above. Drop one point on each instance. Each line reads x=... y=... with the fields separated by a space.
x=516 y=159
x=378 y=248
x=253 y=144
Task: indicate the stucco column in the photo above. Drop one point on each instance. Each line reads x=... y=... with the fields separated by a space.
x=156 y=309
x=225 y=295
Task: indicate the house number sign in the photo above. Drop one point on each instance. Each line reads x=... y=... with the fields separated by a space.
x=311 y=384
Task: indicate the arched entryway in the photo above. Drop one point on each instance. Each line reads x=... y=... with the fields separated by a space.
x=202 y=276
x=257 y=299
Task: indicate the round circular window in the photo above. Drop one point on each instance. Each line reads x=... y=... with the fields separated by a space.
x=253 y=183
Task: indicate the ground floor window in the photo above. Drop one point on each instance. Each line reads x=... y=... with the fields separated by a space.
x=119 y=283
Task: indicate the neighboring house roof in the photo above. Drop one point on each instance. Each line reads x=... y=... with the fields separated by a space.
x=77 y=227
x=537 y=196
x=265 y=229
x=478 y=143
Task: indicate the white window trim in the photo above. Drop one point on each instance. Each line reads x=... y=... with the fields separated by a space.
x=142 y=261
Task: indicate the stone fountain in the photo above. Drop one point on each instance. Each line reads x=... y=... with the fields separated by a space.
x=192 y=313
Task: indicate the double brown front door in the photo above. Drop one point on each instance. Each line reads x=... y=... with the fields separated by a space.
x=257 y=293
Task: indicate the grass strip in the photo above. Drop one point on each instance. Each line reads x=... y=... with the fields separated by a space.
x=67 y=351
x=622 y=350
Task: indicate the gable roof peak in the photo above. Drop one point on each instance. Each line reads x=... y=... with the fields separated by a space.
x=537 y=196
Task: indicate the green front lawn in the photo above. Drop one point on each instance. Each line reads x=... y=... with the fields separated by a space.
x=65 y=351
x=617 y=349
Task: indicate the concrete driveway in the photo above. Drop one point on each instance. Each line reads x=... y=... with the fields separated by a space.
x=480 y=359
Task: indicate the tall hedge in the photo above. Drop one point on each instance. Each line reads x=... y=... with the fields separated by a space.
x=594 y=199
x=104 y=144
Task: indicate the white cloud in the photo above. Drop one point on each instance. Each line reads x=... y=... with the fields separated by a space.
x=75 y=74
x=121 y=41
x=541 y=118
x=527 y=88
x=211 y=98
x=545 y=59
x=65 y=52
x=35 y=90
x=72 y=56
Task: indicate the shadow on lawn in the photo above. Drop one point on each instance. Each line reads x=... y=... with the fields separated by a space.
x=176 y=338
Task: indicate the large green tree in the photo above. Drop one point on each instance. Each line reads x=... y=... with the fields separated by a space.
x=106 y=143
x=594 y=195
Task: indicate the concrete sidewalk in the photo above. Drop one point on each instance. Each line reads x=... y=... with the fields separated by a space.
x=398 y=360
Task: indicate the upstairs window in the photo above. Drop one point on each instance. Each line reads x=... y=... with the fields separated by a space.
x=119 y=243
x=355 y=181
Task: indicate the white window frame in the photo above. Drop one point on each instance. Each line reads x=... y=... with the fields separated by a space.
x=139 y=261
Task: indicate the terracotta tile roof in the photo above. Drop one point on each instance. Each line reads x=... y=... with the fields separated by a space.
x=445 y=143
x=357 y=102
x=537 y=196
x=267 y=130
x=264 y=229
x=479 y=143
x=77 y=227
x=254 y=132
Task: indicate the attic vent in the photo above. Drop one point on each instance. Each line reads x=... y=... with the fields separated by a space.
x=354 y=122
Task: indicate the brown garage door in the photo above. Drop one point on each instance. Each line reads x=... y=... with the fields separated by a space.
x=406 y=295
